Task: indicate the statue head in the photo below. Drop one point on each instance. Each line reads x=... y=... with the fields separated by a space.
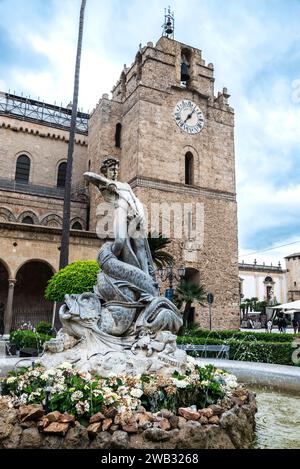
x=110 y=168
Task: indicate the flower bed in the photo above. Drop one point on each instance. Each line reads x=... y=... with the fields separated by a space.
x=203 y=408
x=82 y=394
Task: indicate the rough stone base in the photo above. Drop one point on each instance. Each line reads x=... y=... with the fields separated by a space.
x=217 y=428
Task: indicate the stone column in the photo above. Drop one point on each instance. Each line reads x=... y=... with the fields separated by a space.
x=9 y=306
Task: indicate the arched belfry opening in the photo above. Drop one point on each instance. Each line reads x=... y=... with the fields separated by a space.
x=189 y=168
x=185 y=67
x=29 y=302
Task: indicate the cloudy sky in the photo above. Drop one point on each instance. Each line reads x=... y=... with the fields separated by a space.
x=255 y=47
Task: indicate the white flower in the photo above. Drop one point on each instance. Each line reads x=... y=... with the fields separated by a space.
x=182 y=384
x=76 y=396
x=136 y=393
x=231 y=381
x=11 y=379
x=23 y=399
x=86 y=376
x=82 y=407
x=57 y=387
x=66 y=366
x=48 y=373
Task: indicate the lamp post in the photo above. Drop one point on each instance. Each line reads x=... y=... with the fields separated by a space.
x=170 y=275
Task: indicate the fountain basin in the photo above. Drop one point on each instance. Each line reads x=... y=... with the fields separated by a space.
x=278 y=377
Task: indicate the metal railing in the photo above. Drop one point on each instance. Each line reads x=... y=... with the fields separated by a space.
x=33 y=314
x=79 y=190
x=37 y=111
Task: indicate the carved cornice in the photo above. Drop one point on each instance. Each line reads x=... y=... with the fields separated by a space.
x=43 y=134
x=178 y=188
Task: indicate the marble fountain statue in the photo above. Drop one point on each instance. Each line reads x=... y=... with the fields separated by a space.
x=124 y=326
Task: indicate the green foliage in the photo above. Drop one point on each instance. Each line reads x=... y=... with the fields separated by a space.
x=248 y=350
x=158 y=242
x=28 y=339
x=188 y=292
x=239 y=335
x=76 y=278
x=83 y=394
x=207 y=390
x=44 y=328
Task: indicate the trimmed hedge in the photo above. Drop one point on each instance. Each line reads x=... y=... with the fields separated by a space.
x=44 y=327
x=76 y=278
x=240 y=335
x=28 y=339
x=251 y=351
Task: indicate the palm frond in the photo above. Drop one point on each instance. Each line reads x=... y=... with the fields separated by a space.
x=191 y=292
x=157 y=242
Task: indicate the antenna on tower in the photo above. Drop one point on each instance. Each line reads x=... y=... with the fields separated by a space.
x=168 y=26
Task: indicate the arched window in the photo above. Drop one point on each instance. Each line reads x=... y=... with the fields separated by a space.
x=118 y=135
x=76 y=226
x=189 y=169
x=22 y=169
x=28 y=220
x=268 y=280
x=61 y=175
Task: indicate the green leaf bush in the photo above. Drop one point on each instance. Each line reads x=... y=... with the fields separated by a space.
x=28 y=339
x=247 y=350
x=44 y=327
x=76 y=278
x=239 y=335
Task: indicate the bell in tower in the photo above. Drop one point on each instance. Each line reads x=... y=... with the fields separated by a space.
x=168 y=26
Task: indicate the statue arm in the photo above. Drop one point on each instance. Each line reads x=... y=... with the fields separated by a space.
x=97 y=180
x=101 y=182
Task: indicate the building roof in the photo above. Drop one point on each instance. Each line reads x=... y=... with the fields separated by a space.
x=32 y=110
x=261 y=267
x=297 y=254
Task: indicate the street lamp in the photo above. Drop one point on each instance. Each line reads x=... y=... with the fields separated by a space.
x=169 y=274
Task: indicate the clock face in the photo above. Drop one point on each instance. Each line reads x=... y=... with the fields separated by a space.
x=188 y=116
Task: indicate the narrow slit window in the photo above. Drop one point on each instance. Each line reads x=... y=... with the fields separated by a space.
x=189 y=169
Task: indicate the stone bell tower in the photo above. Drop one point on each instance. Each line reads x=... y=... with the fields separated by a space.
x=175 y=142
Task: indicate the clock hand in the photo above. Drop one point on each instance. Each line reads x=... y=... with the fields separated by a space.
x=190 y=115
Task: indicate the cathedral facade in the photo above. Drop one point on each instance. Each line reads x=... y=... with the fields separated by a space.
x=175 y=141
